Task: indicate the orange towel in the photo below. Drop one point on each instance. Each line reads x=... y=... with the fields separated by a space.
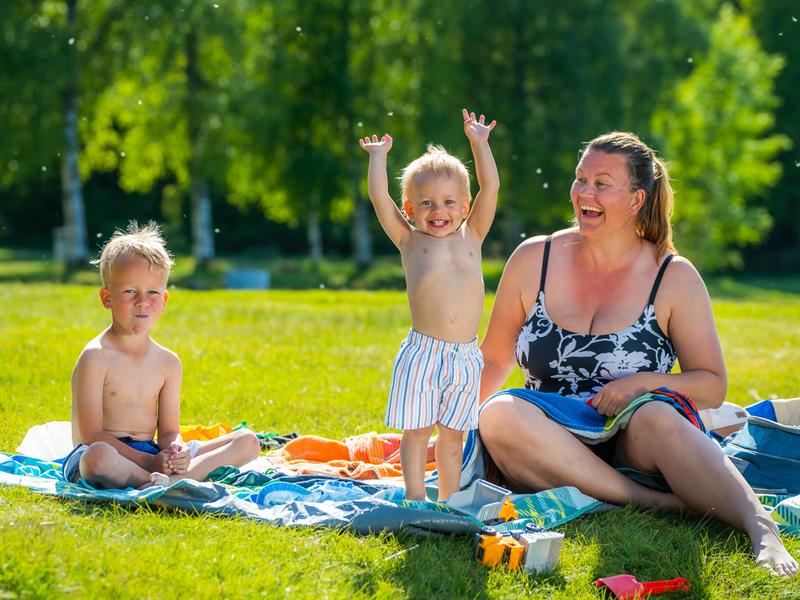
x=375 y=448
x=367 y=456
x=203 y=433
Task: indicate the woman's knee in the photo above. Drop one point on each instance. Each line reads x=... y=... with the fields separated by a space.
x=655 y=418
x=495 y=416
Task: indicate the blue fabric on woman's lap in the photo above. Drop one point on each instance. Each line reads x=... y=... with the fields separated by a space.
x=577 y=417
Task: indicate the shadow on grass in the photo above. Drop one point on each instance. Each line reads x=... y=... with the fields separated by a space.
x=654 y=546
x=443 y=566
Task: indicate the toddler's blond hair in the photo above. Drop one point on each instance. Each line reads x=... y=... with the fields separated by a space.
x=437 y=162
x=136 y=241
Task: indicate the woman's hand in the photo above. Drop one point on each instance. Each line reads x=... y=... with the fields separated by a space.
x=615 y=396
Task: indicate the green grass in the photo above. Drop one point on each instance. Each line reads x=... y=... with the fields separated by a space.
x=319 y=362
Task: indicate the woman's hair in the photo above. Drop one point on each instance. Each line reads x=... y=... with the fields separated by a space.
x=437 y=162
x=647 y=172
x=145 y=242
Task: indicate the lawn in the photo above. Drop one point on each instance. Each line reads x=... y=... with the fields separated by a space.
x=319 y=362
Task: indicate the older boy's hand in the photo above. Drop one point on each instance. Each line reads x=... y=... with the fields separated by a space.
x=160 y=463
x=179 y=457
x=475 y=129
x=376 y=146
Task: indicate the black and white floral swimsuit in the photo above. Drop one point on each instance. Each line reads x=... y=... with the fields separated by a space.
x=577 y=364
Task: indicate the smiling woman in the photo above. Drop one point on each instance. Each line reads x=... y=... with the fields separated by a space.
x=608 y=324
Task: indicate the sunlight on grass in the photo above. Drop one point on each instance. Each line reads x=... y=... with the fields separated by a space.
x=319 y=362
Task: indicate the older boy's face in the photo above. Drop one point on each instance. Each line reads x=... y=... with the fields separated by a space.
x=136 y=295
x=437 y=205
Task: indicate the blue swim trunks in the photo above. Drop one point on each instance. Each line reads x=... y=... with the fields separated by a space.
x=72 y=462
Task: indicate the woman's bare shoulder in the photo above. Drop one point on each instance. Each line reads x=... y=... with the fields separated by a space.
x=682 y=279
x=532 y=249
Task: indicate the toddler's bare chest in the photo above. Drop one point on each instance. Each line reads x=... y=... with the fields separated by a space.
x=442 y=258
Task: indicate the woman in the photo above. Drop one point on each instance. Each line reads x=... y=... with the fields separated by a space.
x=601 y=311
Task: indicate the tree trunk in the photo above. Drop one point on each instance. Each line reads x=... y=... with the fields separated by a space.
x=314 y=232
x=202 y=223
x=511 y=224
x=76 y=251
x=359 y=225
x=202 y=234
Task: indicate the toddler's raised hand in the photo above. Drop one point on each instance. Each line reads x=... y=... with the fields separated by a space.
x=376 y=146
x=475 y=129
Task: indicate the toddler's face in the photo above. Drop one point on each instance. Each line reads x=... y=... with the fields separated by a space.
x=437 y=205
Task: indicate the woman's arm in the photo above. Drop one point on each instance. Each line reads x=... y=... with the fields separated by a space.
x=508 y=314
x=703 y=376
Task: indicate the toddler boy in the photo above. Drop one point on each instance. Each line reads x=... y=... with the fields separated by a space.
x=436 y=373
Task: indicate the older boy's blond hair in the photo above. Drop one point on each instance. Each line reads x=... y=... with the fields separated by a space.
x=437 y=162
x=145 y=242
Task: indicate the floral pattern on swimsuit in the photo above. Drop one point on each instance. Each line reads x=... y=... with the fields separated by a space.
x=559 y=361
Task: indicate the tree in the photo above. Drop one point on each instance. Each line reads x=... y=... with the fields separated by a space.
x=716 y=135
x=47 y=46
x=326 y=70
x=167 y=117
x=778 y=25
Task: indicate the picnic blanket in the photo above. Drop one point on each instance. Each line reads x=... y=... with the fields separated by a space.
x=297 y=500
x=269 y=492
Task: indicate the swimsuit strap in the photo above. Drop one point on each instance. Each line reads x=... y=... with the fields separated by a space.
x=658 y=279
x=545 y=259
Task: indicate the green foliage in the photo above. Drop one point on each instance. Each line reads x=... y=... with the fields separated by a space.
x=717 y=136
x=265 y=101
x=319 y=363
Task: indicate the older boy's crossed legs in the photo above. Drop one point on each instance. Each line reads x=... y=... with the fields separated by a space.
x=235 y=448
x=101 y=465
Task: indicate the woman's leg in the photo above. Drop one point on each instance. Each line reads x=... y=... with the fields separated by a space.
x=659 y=439
x=535 y=454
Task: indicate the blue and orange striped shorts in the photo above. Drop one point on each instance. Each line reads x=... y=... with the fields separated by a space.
x=434 y=381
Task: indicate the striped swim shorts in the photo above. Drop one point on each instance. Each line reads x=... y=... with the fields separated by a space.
x=434 y=381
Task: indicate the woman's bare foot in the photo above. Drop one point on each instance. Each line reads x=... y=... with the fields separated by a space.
x=769 y=549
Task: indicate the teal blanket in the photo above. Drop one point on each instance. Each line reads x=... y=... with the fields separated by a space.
x=297 y=500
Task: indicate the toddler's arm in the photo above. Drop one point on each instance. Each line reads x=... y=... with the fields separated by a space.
x=389 y=216
x=485 y=203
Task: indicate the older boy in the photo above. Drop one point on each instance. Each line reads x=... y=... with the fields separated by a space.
x=125 y=386
x=436 y=373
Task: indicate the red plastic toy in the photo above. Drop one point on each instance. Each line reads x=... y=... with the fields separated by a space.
x=627 y=587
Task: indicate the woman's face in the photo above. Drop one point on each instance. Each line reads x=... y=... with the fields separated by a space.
x=601 y=196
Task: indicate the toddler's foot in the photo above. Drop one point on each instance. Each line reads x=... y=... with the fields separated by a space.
x=770 y=552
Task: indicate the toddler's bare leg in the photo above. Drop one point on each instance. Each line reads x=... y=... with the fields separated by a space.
x=413 y=454
x=235 y=448
x=448 y=460
x=104 y=467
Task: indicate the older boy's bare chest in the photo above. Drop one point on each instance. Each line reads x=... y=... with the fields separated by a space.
x=131 y=390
